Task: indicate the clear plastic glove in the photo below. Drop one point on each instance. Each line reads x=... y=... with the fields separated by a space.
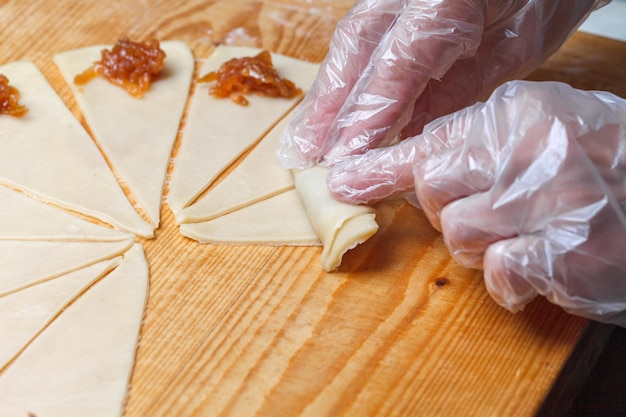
x=394 y=65
x=530 y=186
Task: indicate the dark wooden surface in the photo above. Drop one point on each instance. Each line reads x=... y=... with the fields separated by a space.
x=604 y=391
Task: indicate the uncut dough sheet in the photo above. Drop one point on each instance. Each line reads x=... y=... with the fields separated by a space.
x=218 y=131
x=48 y=154
x=95 y=336
x=136 y=134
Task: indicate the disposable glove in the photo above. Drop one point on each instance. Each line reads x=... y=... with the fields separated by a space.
x=530 y=186
x=394 y=65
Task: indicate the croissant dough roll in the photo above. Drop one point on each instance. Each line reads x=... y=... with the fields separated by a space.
x=339 y=226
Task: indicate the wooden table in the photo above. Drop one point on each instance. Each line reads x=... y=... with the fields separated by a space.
x=260 y=330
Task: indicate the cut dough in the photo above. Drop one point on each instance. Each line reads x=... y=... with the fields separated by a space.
x=47 y=153
x=280 y=220
x=72 y=293
x=259 y=176
x=24 y=218
x=218 y=131
x=136 y=135
x=24 y=263
x=339 y=226
x=95 y=336
x=25 y=313
x=255 y=202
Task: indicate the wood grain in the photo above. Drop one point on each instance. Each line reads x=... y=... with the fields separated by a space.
x=260 y=330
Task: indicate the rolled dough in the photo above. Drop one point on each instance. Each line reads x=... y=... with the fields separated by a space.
x=339 y=226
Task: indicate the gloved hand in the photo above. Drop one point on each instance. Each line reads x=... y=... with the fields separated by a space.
x=530 y=186
x=394 y=65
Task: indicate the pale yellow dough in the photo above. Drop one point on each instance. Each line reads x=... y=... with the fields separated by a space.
x=49 y=168
x=217 y=131
x=258 y=176
x=339 y=226
x=28 y=262
x=81 y=363
x=74 y=315
x=47 y=153
x=136 y=134
x=279 y=220
x=25 y=218
x=256 y=202
x=27 y=312
x=306 y=215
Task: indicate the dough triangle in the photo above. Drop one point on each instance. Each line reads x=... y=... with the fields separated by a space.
x=25 y=218
x=81 y=363
x=24 y=263
x=25 y=313
x=280 y=220
x=48 y=154
x=257 y=177
x=136 y=134
x=217 y=131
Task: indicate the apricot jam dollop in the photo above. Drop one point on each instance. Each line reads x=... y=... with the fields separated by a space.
x=10 y=99
x=130 y=65
x=239 y=76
